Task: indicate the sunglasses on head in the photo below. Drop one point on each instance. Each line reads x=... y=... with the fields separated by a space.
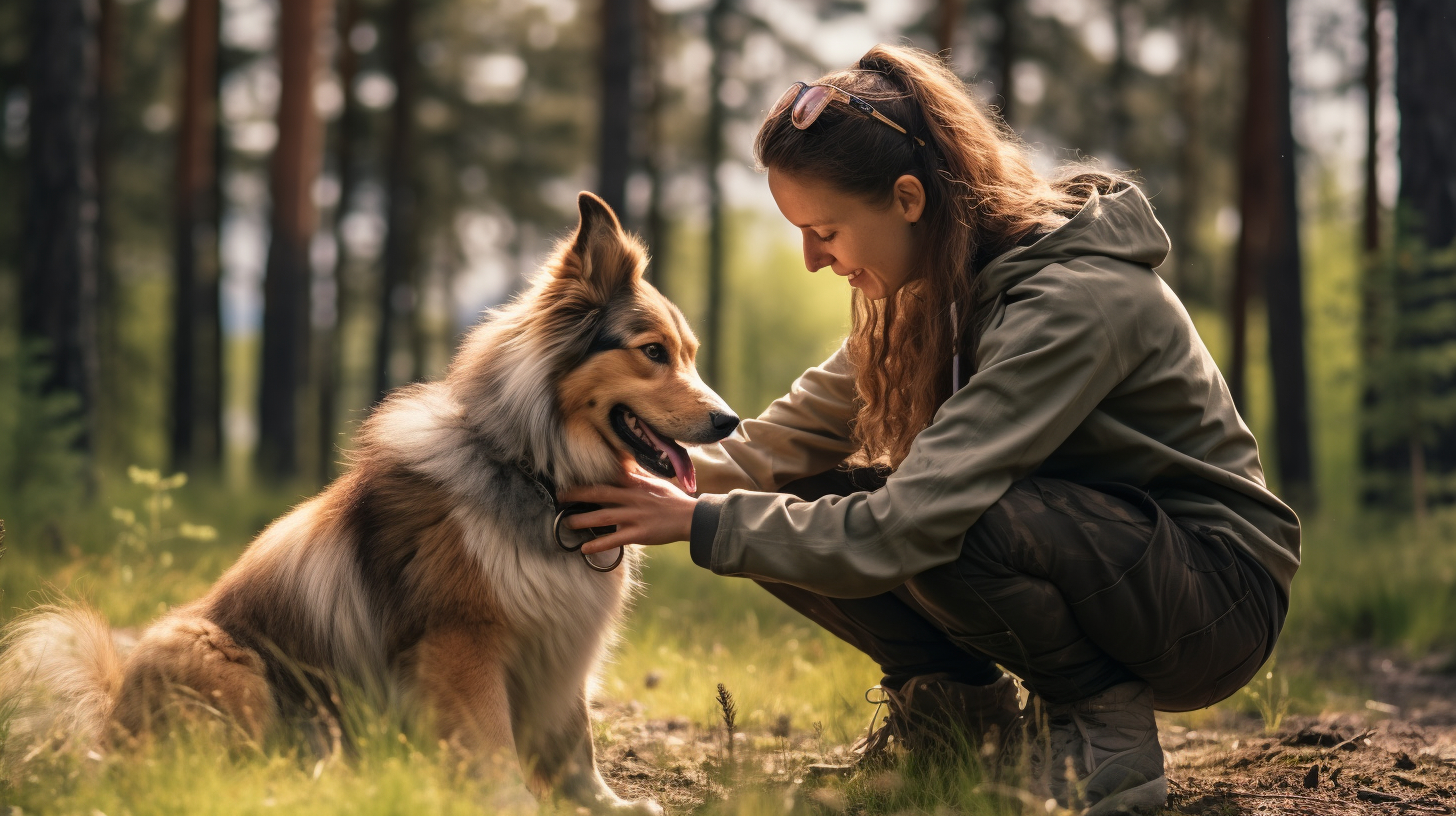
x=808 y=101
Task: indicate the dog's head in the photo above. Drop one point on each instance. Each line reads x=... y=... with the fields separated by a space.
x=630 y=382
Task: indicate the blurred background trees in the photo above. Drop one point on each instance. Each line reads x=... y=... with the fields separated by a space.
x=233 y=225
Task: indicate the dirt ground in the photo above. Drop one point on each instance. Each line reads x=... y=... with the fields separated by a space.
x=1395 y=754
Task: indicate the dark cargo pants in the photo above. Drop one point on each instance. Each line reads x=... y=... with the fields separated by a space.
x=1072 y=589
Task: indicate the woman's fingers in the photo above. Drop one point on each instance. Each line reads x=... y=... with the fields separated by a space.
x=607 y=542
x=644 y=509
x=606 y=517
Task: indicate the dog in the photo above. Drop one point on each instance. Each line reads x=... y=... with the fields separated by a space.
x=431 y=569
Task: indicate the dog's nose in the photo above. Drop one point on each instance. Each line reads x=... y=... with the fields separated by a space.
x=723 y=422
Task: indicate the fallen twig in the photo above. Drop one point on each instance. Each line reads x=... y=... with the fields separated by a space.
x=1252 y=795
x=1372 y=795
x=1352 y=740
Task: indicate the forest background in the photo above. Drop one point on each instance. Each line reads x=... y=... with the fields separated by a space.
x=227 y=227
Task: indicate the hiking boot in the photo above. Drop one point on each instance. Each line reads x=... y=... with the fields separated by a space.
x=1101 y=753
x=933 y=713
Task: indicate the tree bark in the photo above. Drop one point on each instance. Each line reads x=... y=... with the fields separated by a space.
x=656 y=227
x=717 y=115
x=1268 y=251
x=396 y=296
x=1186 y=276
x=615 y=61
x=1005 y=11
x=1426 y=225
x=286 y=286
x=196 y=353
x=59 y=275
x=330 y=341
x=1372 y=128
x=947 y=14
x=1119 y=123
x=109 y=82
x=1425 y=64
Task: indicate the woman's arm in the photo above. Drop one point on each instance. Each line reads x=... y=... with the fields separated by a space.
x=800 y=434
x=1043 y=369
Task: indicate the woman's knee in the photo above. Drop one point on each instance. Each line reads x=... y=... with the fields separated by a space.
x=1010 y=530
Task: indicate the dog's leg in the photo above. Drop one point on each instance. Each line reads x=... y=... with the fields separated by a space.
x=188 y=652
x=462 y=676
x=566 y=760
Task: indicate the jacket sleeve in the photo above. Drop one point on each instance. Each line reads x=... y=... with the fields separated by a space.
x=800 y=434
x=1043 y=368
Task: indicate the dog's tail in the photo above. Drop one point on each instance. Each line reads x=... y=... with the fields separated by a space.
x=60 y=675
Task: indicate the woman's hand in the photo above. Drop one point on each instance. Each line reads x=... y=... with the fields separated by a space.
x=644 y=509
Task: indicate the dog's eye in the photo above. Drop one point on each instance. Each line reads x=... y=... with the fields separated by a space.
x=655 y=352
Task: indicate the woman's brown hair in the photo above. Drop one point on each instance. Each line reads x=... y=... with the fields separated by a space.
x=982 y=196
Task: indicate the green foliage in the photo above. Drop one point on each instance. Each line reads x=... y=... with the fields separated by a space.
x=1409 y=367
x=1270 y=696
x=142 y=538
x=1369 y=580
x=42 y=474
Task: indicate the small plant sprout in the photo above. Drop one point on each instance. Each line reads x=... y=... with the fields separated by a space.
x=730 y=716
x=145 y=535
x=1271 y=696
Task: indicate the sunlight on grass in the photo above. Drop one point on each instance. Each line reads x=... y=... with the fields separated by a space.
x=1365 y=580
x=692 y=629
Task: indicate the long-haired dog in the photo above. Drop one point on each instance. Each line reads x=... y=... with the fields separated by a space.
x=430 y=569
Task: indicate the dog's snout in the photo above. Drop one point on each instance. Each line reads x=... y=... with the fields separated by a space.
x=723 y=422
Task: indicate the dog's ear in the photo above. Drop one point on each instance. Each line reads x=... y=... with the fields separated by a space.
x=600 y=253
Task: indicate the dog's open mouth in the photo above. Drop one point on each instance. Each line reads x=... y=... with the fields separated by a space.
x=655 y=452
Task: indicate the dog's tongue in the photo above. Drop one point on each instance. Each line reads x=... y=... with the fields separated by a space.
x=687 y=478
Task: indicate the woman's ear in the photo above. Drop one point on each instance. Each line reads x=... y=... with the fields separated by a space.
x=910 y=197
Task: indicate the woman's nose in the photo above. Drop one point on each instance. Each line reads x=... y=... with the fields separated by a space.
x=815 y=258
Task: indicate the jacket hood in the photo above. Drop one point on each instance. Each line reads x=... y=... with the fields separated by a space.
x=1117 y=225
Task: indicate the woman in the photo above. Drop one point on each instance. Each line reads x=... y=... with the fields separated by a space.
x=1048 y=474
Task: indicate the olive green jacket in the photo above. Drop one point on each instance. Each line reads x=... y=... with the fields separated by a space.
x=1089 y=370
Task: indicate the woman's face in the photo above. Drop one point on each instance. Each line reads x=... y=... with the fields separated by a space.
x=873 y=247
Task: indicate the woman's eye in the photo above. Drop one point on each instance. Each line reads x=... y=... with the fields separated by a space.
x=830 y=237
x=655 y=352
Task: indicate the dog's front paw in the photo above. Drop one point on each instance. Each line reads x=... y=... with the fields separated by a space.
x=637 y=807
x=512 y=800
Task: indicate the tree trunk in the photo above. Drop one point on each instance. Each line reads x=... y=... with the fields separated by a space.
x=1425 y=65
x=1372 y=128
x=1426 y=225
x=947 y=13
x=286 y=286
x=713 y=320
x=330 y=341
x=1376 y=454
x=1119 y=123
x=109 y=82
x=615 y=61
x=196 y=356
x=1268 y=251
x=59 y=276
x=1005 y=11
x=396 y=296
x=1187 y=275
x=656 y=226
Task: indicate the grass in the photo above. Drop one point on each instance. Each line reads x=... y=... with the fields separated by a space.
x=1365 y=579
x=688 y=632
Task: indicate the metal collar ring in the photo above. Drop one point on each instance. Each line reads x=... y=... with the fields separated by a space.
x=596 y=560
